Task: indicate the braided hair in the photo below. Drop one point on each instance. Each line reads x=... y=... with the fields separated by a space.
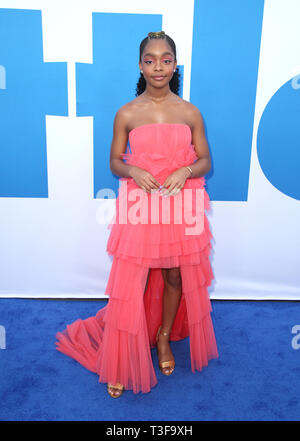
x=175 y=80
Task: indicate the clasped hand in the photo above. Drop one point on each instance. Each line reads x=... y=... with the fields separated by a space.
x=172 y=185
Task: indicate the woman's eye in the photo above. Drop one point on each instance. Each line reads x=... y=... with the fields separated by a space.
x=165 y=61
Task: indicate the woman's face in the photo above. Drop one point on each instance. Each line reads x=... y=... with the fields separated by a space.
x=158 y=63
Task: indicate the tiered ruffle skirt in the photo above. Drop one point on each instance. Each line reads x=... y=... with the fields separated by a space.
x=116 y=343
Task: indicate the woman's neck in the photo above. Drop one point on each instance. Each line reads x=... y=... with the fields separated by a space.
x=157 y=95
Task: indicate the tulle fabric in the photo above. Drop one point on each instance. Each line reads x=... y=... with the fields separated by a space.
x=116 y=343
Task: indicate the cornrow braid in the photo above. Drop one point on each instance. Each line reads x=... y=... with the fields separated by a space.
x=175 y=81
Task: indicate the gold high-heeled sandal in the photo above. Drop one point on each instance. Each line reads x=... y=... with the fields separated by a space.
x=165 y=364
x=111 y=387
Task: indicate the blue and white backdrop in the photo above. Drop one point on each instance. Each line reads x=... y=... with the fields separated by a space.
x=66 y=67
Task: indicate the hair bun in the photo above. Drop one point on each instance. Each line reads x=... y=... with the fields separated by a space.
x=156 y=34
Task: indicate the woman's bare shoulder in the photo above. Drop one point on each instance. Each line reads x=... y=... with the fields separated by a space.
x=193 y=114
x=126 y=111
x=190 y=108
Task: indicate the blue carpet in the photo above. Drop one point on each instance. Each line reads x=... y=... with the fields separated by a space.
x=257 y=376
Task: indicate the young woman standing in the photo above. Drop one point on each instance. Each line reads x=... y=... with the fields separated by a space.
x=158 y=282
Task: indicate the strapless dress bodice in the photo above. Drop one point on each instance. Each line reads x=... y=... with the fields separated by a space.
x=160 y=148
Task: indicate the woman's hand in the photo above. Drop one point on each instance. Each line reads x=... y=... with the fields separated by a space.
x=175 y=182
x=144 y=179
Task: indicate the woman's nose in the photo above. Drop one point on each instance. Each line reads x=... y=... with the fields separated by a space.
x=157 y=65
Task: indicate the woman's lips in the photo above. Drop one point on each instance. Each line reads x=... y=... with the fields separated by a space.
x=159 y=78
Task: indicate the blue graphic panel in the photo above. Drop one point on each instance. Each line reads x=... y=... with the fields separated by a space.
x=225 y=55
x=278 y=139
x=110 y=82
x=30 y=89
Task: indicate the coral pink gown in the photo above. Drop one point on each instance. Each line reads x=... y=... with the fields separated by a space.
x=116 y=343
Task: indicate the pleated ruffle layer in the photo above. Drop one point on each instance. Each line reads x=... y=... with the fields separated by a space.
x=116 y=343
x=185 y=238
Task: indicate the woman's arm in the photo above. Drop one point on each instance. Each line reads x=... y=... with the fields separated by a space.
x=203 y=165
x=142 y=177
x=118 y=146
